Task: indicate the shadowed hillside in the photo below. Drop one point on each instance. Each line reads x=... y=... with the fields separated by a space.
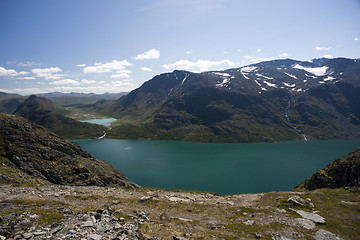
x=42 y=111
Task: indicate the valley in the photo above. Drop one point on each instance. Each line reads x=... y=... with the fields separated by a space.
x=179 y=120
x=274 y=101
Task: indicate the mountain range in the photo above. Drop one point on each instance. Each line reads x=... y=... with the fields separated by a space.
x=270 y=101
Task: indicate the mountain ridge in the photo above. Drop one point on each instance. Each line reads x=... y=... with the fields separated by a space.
x=43 y=112
x=276 y=100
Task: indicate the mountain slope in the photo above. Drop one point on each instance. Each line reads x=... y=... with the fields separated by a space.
x=269 y=101
x=343 y=172
x=31 y=153
x=42 y=111
x=9 y=102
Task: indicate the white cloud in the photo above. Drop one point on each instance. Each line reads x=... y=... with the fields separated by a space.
x=322 y=48
x=10 y=72
x=115 y=65
x=29 y=78
x=250 y=59
x=226 y=52
x=257 y=60
x=203 y=65
x=28 y=64
x=47 y=73
x=259 y=49
x=65 y=82
x=356 y=39
x=206 y=65
x=284 y=55
x=121 y=83
x=81 y=65
x=327 y=56
x=146 y=69
x=151 y=54
x=88 y=82
x=25 y=91
x=120 y=75
x=189 y=52
x=180 y=64
x=113 y=87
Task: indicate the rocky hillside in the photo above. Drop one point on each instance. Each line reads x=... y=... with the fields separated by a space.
x=343 y=172
x=30 y=153
x=269 y=101
x=42 y=111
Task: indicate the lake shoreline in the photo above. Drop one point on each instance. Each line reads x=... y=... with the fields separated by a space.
x=226 y=168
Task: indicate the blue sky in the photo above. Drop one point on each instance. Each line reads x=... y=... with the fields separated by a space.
x=116 y=45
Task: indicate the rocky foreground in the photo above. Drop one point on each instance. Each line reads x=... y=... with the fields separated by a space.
x=89 y=212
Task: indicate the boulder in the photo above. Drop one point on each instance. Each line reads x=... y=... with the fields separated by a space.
x=325 y=235
x=311 y=216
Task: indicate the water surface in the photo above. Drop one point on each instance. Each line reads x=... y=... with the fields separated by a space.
x=101 y=121
x=221 y=168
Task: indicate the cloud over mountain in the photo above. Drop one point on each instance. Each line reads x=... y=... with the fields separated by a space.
x=114 y=66
x=151 y=54
x=48 y=73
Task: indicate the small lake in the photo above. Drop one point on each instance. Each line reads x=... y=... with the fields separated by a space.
x=227 y=168
x=101 y=121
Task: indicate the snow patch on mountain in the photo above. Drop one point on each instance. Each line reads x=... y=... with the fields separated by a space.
x=289 y=85
x=176 y=76
x=270 y=84
x=260 y=75
x=248 y=69
x=257 y=83
x=318 y=71
x=186 y=76
x=245 y=75
x=290 y=75
x=329 y=78
x=223 y=83
x=222 y=74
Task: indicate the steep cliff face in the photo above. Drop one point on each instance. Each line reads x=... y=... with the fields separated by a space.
x=31 y=153
x=343 y=172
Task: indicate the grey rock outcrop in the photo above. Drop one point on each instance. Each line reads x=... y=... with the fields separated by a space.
x=325 y=235
x=311 y=216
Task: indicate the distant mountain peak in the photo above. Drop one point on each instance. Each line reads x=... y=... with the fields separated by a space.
x=35 y=104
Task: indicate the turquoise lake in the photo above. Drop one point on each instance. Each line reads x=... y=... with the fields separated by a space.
x=227 y=168
x=101 y=121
